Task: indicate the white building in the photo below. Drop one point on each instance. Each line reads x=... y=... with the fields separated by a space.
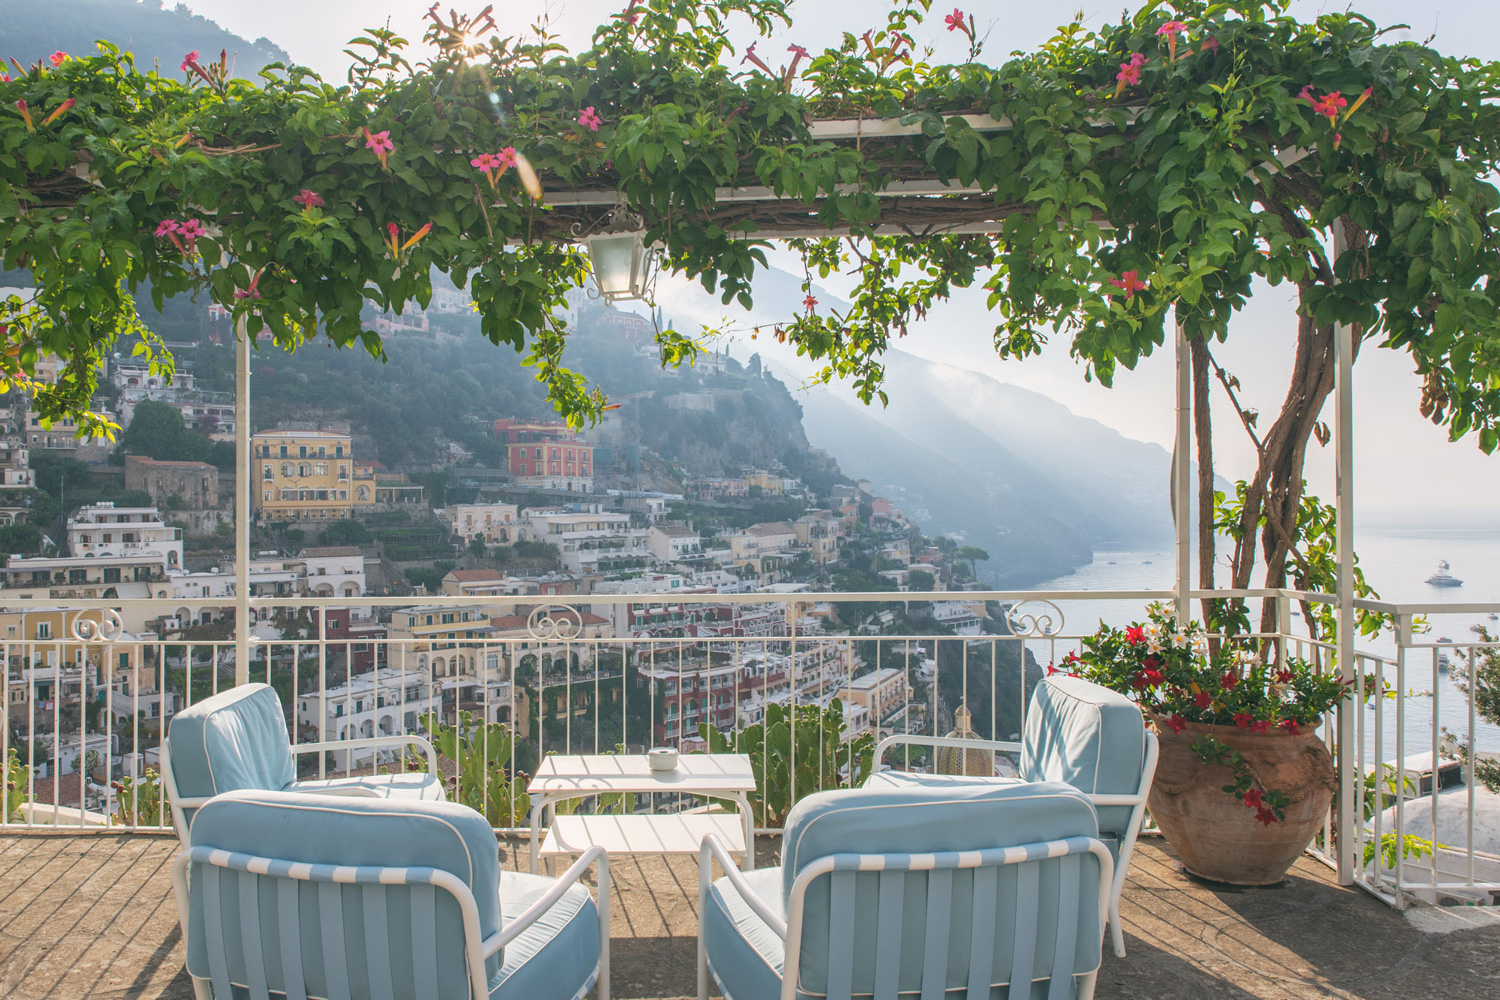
x=496 y=523
x=105 y=531
x=333 y=571
x=963 y=618
x=589 y=542
x=379 y=703
x=673 y=542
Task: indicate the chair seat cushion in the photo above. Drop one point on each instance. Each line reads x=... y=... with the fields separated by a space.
x=412 y=785
x=558 y=955
x=746 y=955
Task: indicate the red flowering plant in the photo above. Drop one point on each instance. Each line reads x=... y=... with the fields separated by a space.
x=1178 y=677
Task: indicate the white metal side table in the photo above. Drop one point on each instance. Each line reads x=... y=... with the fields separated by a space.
x=718 y=776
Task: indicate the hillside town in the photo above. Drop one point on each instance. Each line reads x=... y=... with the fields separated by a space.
x=555 y=532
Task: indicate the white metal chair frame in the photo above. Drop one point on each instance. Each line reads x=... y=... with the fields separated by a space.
x=1136 y=802
x=476 y=948
x=178 y=802
x=840 y=965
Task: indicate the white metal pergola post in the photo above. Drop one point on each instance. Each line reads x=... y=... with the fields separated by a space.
x=242 y=505
x=1182 y=467
x=1344 y=550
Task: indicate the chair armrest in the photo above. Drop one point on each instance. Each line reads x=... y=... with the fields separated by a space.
x=534 y=912
x=373 y=741
x=962 y=742
x=714 y=849
x=347 y=791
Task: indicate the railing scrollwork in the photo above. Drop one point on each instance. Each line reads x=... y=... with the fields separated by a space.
x=1034 y=619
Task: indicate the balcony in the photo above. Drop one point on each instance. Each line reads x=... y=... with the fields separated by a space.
x=1309 y=938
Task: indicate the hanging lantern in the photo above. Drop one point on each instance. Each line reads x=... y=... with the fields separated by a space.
x=618 y=255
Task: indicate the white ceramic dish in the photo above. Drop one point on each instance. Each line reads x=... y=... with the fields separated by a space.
x=662 y=758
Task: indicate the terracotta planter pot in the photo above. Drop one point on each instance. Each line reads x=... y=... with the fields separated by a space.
x=1215 y=834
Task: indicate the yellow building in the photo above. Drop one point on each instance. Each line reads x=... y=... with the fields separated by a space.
x=53 y=659
x=302 y=475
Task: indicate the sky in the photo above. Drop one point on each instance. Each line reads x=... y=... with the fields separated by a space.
x=1403 y=462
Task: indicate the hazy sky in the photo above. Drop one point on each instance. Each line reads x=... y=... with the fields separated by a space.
x=1402 y=460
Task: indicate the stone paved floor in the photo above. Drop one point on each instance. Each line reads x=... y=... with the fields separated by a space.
x=92 y=916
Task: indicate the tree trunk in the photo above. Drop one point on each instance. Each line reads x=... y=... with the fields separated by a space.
x=1203 y=432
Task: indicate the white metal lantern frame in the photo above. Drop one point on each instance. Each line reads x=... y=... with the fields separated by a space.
x=623 y=265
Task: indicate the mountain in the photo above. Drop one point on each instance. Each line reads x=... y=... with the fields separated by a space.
x=1017 y=473
x=156 y=35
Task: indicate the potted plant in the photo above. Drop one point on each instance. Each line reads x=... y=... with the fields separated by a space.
x=1243 y=782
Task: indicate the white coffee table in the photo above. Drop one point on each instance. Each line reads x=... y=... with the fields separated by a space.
x=718 y=776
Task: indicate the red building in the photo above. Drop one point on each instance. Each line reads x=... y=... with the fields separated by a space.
x=547 y=454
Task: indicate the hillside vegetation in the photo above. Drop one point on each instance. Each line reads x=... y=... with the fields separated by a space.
x=148 y=28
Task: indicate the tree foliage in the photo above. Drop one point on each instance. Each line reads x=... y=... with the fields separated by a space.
x=158 y=431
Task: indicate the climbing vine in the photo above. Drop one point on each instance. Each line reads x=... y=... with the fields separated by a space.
x=1162 y=161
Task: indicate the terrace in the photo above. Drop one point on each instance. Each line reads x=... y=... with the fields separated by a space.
x=82 y=817
x=93 y=916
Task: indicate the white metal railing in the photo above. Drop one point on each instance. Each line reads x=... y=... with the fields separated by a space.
x=601 y=671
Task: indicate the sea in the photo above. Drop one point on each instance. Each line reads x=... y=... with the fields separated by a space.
x=1396 y=561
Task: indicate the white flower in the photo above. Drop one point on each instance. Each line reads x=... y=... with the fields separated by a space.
x=1181 y=641
x=1153 y=629
x=1154 y=646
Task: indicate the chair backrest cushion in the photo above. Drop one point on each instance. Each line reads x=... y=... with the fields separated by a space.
x=401 y=935
x=924 y=819
x=1089 y=737
x=233 y=740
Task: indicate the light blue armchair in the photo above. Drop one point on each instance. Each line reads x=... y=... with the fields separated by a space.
x=237 y=739
x=1076 y=732
x=299 y=896
x=914 y=890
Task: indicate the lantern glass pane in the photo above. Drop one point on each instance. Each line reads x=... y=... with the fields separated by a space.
x=614 y=258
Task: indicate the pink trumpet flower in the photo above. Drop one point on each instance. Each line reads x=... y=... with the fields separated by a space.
x=1172 y=29
x=61 y=110
x=380 y=144
x=798 y=54
x=955 y=20
x=58 y=58
x=589 y=119
x=1128 y=282
x=751 y=57
x=25 y=110
x=253 y=292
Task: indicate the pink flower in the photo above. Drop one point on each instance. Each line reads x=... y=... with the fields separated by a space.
x=589 y=119
x=166 y=228
x=58 y=58
x=25 y=110
x=751 y=57
x=191 y=228
x=485 y=162
x=955 y=21
x=4 y=78
x=811 y=302
x=253 y=292
x=380 y=144
x=190 y=61
x=1135 y=635
x=628 y=15
x=1172 y=28
x=308 y=199
x=1330 y=104
x=507 y=157
x=60 y=110
x=1130 y=72
x=1210 y=44
x=1129 y=282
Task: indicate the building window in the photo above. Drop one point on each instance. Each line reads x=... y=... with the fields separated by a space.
x=83 y=539
x=302 y=451
x=304 y=470
x=338 y=451
x=266 y=496
x=283 y=452
x=286 y=469
x=322 y=451
x=343 y=472
x=320 y=468
x=44 y=630
x=265 y=473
